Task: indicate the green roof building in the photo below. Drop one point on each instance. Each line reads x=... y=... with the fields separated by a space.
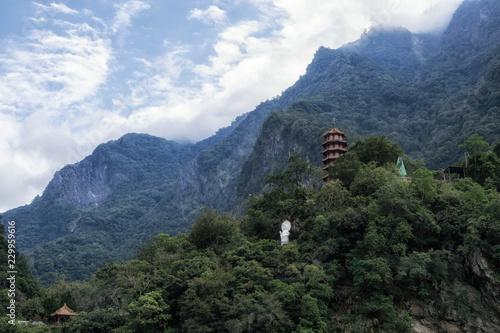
x=401 y=170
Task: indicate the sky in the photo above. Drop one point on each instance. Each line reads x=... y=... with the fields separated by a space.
x=77 y=73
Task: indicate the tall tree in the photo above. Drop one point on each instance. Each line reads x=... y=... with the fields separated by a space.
x=378 y=149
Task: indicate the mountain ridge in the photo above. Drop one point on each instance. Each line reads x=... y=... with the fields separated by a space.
x=368 y=86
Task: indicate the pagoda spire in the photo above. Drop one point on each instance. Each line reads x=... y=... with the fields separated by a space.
x=334 y=146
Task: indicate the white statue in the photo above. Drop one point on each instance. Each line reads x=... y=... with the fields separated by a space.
x=285 y=232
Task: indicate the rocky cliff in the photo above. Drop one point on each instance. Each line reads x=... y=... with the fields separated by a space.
x=472 y=306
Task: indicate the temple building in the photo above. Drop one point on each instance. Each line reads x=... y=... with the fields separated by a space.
x=334 y=146
x=63 y=314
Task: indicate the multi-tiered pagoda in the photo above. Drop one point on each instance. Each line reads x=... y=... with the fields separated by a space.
x=333 y=147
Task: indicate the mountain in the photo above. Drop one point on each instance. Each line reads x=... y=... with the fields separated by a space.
x=88 y=214
x=426 y=92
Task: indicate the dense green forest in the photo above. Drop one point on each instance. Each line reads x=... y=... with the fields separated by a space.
x=369 y=252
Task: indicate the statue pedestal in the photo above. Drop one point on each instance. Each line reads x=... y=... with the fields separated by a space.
x=284 y=237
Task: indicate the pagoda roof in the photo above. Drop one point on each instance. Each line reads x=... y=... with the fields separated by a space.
x=64 y=311
x=329 y=142
x=334 y=131
x=330 y=158
x=332 y=149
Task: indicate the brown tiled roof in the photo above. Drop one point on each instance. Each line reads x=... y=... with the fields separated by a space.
x=64 y=311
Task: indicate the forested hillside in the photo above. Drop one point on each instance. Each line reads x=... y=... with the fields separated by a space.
x=427 y=93
x=89 y=212
x=24 y=285
x=369 y=253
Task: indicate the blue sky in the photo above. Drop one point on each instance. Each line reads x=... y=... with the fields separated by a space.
x=74 y=74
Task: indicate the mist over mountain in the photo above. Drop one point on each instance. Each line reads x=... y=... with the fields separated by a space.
x=426 y=92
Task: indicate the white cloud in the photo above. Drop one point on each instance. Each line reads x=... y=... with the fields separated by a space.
x=425 y=16
x=126 y=11
x=211 y=15
x=253 y=61
x=52 y=71
x=25 y=164
x=54 y=8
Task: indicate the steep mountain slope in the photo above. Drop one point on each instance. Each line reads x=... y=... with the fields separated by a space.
x=344 y=79
x=475 y=110
x=468 y=45
x=211 y=178
x=112 y=173
x=397 y=50
x=426 y=92
x=88 y=214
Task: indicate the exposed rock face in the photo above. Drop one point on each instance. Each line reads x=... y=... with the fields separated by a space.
x=83 y=184
x=418 y=309
x=482 y=308
x=490 y=289
x=419 y=328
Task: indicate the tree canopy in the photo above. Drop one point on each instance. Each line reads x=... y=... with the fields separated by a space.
x=360 y=251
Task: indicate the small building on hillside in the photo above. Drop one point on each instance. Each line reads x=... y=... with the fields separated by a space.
x=63 y=314
x=334 y=146
x=458 y=171
x=401 y=170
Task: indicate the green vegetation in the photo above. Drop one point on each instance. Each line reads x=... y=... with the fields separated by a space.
x=361 y=250
x=25 y=284
x=426 y=93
